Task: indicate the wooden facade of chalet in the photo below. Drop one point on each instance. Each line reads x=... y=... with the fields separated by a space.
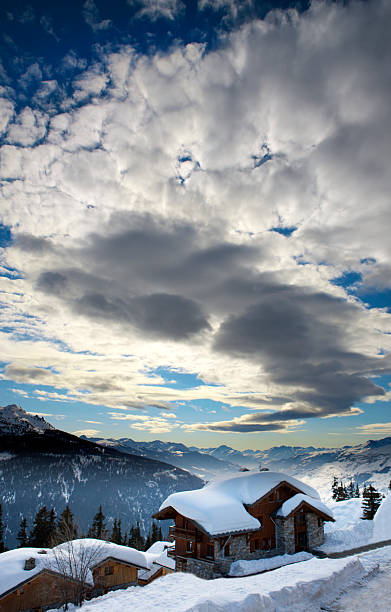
x=209 y=555
x=114 y=573
x=40 y=592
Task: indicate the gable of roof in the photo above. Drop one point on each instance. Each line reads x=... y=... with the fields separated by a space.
x=299 y=501
x=117 y=560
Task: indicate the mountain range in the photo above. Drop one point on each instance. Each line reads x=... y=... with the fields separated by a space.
x=41 y=465
x=369 y=462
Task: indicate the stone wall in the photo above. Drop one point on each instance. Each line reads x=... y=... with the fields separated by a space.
x=315 y=533
x=239 y=548
x=285 y=535
x=202 y=569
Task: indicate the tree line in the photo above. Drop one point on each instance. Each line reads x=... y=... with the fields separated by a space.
x=371 y=497
x=49 y=530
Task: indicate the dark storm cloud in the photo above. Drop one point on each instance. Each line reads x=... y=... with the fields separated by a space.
x=168 y=279
x=301 y=340
x=152 y=275
x=33 y=375
x=160 y=314
x=33 y=244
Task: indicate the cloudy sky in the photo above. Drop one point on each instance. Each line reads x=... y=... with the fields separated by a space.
x=195 y=219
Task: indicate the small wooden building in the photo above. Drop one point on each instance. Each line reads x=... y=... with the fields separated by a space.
x=40 y=591
x=111 y=573
x=250 y=515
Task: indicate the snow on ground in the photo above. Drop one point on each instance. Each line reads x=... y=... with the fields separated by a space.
x=246 y=568
x=382 y=522
x=373 y=592
x=301 y=587
x=349 y=530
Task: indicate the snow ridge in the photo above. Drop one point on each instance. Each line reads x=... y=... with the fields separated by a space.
x=16 y=421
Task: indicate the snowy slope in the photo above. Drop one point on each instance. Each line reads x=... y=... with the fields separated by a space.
x=301 y=587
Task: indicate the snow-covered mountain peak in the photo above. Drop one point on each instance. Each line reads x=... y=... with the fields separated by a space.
x=14 y=420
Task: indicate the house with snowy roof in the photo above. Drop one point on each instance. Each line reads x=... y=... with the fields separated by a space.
x=247 y=515
x=32 y=578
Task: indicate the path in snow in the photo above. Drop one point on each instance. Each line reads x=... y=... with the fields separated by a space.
x=373 y=594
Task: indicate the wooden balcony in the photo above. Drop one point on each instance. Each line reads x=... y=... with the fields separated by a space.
x=185 y=534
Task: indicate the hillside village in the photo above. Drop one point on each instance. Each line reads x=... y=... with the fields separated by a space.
x=222 y=531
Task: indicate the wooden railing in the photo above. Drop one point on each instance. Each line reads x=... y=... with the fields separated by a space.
x=178 y=532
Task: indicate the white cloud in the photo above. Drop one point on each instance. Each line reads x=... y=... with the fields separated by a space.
x=156 y=9
x=287 y=124
x=375 y=429
x=91 y=17
x=89 y=433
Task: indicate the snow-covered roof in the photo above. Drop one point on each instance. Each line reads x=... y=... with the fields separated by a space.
x=294 y=502
x=157 y=556
x=89 y=550
x=219 y=506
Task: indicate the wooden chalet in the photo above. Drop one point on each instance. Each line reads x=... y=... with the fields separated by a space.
x=249 y=516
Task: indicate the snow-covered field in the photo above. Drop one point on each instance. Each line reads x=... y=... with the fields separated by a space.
x=307 y=586
x=295 y=587
x=246 y=568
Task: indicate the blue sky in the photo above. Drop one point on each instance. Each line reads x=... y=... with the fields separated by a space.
x=194 y=219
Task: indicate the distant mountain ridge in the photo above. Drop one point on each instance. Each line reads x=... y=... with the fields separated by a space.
x=202 y=464
x=41 y=465
x=364 y=463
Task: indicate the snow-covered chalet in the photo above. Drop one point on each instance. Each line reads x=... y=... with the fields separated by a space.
x=248 y=515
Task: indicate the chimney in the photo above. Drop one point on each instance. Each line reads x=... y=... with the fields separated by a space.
x=29 y=564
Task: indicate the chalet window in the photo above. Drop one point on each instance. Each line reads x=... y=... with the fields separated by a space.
x=109 y=569
x=189 y=545
x=185 y=524
x=320 y=522
x=226 y=550
x=210 y=551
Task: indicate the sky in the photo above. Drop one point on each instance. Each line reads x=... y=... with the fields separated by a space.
x=194 y=219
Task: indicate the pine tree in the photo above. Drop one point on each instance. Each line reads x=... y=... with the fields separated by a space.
x=66 y=527
x=350 y=490
x=52 y=527
x=136 y=540
x=2 y=528
x=42 y=531
x=116 y=534
x=334 y=488
x=22 y=534
x=357 y=491
x=148 y=542
x=342 y=493
x=370 y=503
x=98 y=529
